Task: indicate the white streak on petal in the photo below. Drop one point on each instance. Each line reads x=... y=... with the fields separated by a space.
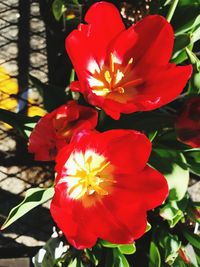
x=95 y=82
x=93 y=67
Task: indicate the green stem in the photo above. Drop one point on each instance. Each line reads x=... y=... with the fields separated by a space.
x=172 y=10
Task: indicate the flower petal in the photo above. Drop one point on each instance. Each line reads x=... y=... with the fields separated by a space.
x=162 y=86
x=127 y=188
x=153 y=185
x=55 y=129
x=129 y=150
x=80 y=43
x=148 y=41
x=188 y=123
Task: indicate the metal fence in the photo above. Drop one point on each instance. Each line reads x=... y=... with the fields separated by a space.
x=23 y=51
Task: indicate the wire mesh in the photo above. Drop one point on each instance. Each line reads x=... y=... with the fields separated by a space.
x=22 y=51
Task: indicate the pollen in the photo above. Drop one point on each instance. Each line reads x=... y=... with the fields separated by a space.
x=112 y=77
x=88 y=175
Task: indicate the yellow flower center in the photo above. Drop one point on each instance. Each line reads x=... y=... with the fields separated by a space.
x=114 y=78
x=88 y=176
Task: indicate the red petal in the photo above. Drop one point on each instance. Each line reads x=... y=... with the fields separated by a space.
x=90 y=42
x=120 y=216
x=162 y=86
x=187 y=124
x=128 y=212
x=118 y=219
x=152 y=187
x=73 y=219
x=105 y=24
x=55 y=129
x=42 y=140
x=129 y=150
x=148 y=41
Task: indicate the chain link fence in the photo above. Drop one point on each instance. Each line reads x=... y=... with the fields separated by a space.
x=23 y=51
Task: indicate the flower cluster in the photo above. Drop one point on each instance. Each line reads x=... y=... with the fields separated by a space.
x=104 y=186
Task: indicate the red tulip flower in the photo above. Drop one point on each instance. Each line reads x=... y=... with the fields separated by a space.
x=188 y=123
x=55 y=129
x=104 y=187
x=123 y=71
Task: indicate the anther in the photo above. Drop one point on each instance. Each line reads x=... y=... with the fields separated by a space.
x=120 y=90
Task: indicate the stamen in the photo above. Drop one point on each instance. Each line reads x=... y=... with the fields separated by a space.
x=119 y=90
x=114 y=77
x=85 y=176
x=102 y=167
x=112 y=62
x=107 y=76
x=133 y=82
x=128 y=65
x=118 y=76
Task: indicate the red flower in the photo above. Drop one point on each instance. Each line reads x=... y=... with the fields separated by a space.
x=188 y=123
x=55 y=129
x=104 y=187
x=123 y=71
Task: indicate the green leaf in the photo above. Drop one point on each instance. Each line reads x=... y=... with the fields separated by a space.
x=195 y=35
x=123 y=248
x=127 y=249
x=20 y=122
x=194 y=84
x=154 y=254
x=194 y=59
x=193 y=161
x=152 y=135
x=192 y=238
x=52 y=96
x=189 y=2
x=50 y=253
x=75 y=2
x=91 y=256
x=33 y=198
x=174 y=166
x=180 y=42
x=178 y=179
x=119 y=259
x=58 y=9
x=171 y=213
x=191 y=255
x=191 y=25
x=148 y=227
x=171 y=245
x=108 y=244
x=73 y=263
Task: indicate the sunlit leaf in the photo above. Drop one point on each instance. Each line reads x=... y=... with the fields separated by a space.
x=148 y=227
x=91 y=256
x=174 y=166
x=193 y=239
x=189 y=26
x=108 y=244
x=119 y=259
x=18 y=121
x=52 y=250
x=58 y=9
x=171 y=213
x=127 y=249
x=33 y=198
x=154 y=254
